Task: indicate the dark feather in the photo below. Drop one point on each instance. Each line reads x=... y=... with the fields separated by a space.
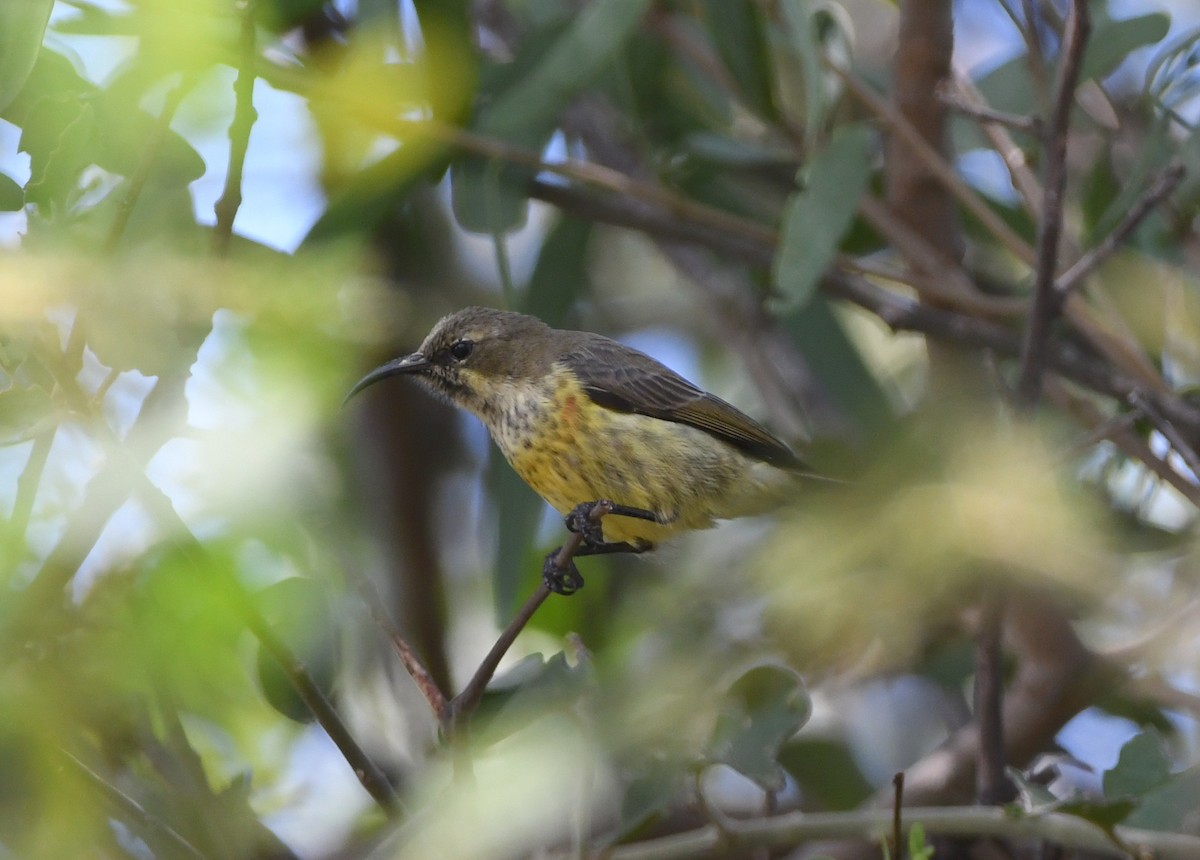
x=619 y=377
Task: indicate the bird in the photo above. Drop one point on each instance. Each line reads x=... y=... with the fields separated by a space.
x=585 y=419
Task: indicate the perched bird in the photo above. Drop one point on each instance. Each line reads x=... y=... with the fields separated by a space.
x=583 y=418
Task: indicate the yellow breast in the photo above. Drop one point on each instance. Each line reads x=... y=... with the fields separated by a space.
x=571 y=450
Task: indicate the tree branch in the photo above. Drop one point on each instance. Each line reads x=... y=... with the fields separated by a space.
x=1046 y=301
x=244 y=115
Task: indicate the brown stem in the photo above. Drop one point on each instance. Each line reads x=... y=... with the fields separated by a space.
x=1159 y=189
x=1046 y=300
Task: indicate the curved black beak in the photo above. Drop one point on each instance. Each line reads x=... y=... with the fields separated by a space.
x=414 y=363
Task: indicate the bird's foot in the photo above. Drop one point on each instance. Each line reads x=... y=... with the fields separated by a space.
x=583 y=519
x=561 y=580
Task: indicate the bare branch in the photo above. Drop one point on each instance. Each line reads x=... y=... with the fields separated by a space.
x=1046 y=303
x=464 y=704
x=988 y=116
x=1166 y=182
x=408 y=656
x=244 y=116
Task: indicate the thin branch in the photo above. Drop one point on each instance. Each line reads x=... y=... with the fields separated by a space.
x=244 y=115
x=1123 y=436
x=141 y=173
x=1181 y=446
x=29 y=482
x=1013 y=156
x=786 y=831
x=408 y=656
x=162 y=510
x=1162 y=186
x=991 y=784
x=464 y=704
x=936 y=164
x=1046 y=302
x=988 y=116
x=897 y=814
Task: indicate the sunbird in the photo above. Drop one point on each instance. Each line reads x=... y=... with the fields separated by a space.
x=583 y=418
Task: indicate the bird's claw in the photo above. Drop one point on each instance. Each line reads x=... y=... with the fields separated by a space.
x=581 y=521
x=561 y=580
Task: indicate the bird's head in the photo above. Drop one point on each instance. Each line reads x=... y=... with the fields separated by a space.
x=471 y=353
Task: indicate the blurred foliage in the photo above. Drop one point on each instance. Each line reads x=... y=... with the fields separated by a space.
x=177 y=469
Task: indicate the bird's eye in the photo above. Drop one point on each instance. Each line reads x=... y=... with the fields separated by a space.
x=461 y=349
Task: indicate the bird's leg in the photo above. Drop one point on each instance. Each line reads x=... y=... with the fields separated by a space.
x=581 y=522
x=567 y=580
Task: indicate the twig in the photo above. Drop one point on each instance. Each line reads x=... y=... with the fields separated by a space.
x=897 y=815
x=464 y=704
x=1182 y=447
x=1046 y=302
x=1166 y=182
x=141 y=173
x=29 y=482
x=372 y=778
x=1123 y=436
x=132 y=808
x=1013 y=156
x=990 y=781
x=408 y=657
x=987 y=115
x=244 y=115
x=785 y=831
x=936 y=165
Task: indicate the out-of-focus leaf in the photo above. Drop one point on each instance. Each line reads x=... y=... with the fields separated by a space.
x=763 y=708
x=561 y=274
x=737 y=31
x=530 y=689
x=836 y=361
x=1142 y=766
x=1111 y=42
x=729 y=151
x=917 y=847
x=818 y=216
x=488 y=198
x=1032 y=798
x=826 y=771
x=519 y=511
x=653 y=791
x=813 y=30
x=299 y=610
x=280 y=16
x=22 y=26
x=67 y=124
x=21 y=411
x=1171 y=806
x=1008 y=87
x=578 y=56
x=12 y=195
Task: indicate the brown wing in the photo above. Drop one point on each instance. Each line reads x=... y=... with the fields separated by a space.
x=621 y=378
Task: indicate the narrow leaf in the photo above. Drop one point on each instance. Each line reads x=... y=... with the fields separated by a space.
x=818 y=217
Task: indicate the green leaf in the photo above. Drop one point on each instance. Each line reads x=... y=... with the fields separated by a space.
x=1111 y=42
x=763 y=708
x=737 y=32
x=12 y=195
x=816 y=218
x=917 y=847
x=1142 y=766
x=576 y=59
x=299 y=610
x=490 y=199
x=1171 y=806
x=650 y=794
x=22 y=26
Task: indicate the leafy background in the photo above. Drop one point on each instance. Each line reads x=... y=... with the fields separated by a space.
x=218 y=215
